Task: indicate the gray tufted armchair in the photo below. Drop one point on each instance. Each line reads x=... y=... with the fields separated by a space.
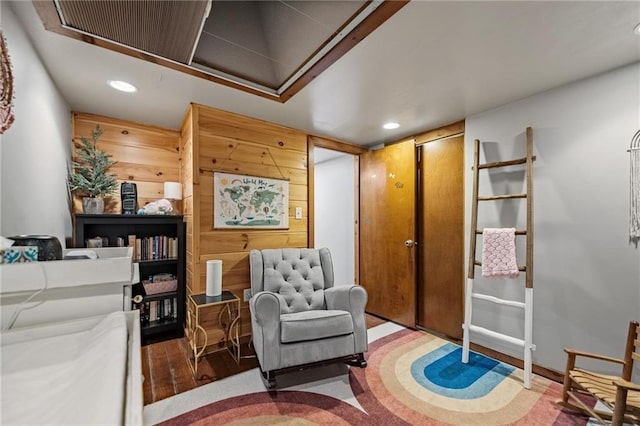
x=298 y=317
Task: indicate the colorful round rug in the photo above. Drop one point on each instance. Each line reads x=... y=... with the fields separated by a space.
x=417 y=378
x=413 y=378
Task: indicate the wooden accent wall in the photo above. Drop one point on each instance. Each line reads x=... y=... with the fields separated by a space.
x=146 y=155
x=220 y=141
x=189 y=140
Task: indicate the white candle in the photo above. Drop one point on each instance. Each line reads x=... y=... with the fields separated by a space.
x=214 y=277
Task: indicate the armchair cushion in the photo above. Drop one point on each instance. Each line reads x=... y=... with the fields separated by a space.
x=313 y=325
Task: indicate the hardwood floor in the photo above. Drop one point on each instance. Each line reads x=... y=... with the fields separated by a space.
x=167 y=373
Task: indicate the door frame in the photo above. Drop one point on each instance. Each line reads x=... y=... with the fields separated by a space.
x=450 y=130
x=347 y=148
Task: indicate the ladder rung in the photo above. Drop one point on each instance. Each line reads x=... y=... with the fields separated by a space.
x=504 y=163
x=518 y=231
x=497 y=300
x=502 y=197
x=520 y=268
x=496 y=335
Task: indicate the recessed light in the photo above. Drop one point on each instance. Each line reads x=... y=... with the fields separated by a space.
x=636 y=30
x=391 y=125
x=123 y=86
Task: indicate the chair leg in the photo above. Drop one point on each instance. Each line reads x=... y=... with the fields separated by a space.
x=269 y=379
x=359 y=361
x=619 y=407
x=571 y=362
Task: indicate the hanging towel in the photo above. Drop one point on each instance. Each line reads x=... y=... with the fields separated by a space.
x=499 y=253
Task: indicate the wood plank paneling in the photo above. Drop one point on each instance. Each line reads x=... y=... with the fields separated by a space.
x=127 y=133
x=147 y=156
x=242 y=168
x=247 y=239
x=256 y=135
x=137 y=172
x=223 y=123
x=231 y=143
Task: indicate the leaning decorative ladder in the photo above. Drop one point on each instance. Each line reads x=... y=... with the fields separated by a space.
x=527 y=306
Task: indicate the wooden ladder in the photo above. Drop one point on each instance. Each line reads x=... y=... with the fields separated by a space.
x=526 y=343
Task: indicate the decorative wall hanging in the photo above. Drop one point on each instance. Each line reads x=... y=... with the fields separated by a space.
x=250 y=202
x=6 y=87
x=634 y=189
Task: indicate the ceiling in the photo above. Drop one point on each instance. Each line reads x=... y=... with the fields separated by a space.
x=430 y=64
x=271 y=48
x=268 y=41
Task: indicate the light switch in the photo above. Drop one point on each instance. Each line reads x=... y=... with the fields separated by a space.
x=298 y=212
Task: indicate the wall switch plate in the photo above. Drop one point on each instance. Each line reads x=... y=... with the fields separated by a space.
x=246 y=293
x=298 y=212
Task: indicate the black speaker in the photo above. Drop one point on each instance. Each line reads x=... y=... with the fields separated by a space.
x=129 y=198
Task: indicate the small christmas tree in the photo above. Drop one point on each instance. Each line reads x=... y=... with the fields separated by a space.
x=89 y=173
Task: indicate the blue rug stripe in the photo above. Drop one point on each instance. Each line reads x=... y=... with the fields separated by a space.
x=441 y=371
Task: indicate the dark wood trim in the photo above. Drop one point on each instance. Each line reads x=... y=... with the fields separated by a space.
x=439 y=133
x=356 y=215
x=348 y=148
x=366 y=27
x=236 y=74
x=311 y=232
x=548 y=373
x=49 y=16
x=453 y=129
x=51 y=21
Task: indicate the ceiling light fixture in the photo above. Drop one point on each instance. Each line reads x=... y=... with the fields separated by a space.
x=391 y=125
x=636 y=30
x=123 y=86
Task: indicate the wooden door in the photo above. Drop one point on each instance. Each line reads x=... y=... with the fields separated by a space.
x=387 y=222
x=441 y=236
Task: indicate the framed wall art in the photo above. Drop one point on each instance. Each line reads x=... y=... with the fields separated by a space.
x=249 y=202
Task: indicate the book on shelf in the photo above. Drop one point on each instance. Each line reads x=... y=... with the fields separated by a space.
x=158 y=247
x=158 y=310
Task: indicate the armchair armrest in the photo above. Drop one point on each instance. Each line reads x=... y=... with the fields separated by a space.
x=265 y=326
x=265 y=308
x=353 y=299
x=573 y=353
x=621 y=383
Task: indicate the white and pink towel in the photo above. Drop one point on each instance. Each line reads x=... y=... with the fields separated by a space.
x=499 y=253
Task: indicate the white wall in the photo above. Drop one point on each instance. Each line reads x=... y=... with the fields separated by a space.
x=586 y=273
x=334 y=192
x=35 y=150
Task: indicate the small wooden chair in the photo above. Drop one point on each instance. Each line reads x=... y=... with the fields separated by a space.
x=616 y=392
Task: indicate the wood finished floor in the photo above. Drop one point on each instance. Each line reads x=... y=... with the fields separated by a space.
x=167 y=373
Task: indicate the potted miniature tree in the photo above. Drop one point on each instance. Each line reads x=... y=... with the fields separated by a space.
x=89 y=175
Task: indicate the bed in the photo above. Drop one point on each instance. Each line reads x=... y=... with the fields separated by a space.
x=78 y=372
x=70 y=345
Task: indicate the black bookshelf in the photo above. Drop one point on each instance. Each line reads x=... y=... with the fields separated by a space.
x=112 y=227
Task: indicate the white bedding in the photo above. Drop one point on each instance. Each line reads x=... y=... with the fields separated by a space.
x=78 y=377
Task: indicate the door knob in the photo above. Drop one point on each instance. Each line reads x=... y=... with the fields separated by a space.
x=409 y=243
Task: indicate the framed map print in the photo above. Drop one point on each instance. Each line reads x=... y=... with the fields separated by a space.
x=249 y=202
